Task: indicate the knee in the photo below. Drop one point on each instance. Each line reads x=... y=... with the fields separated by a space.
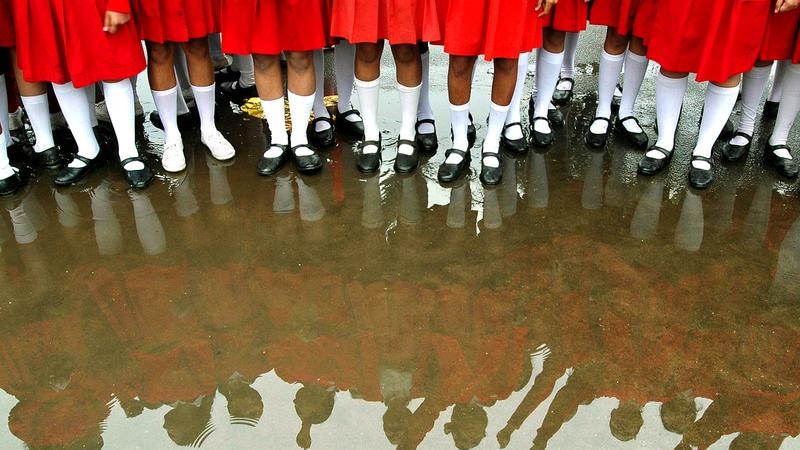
x=300 y=62
x=554 y=40
x=197 y=49
x=405 y=54
x=368 y=53
x=615 y=43
x=263 y=63
x=160 y=54
x=460 y=66
x=505 y=65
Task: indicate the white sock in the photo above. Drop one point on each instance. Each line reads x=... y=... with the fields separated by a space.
x=119 y=100
x=610 y=67
x=247 y=74
x=4 y=109
x=5 y=165
x=787 y=112
x=148 y=226
x=183 y=108
x=344 y=55
x=548 y=67
x=368 y=95
x=319 y=99
x=75 y=107
x=570 y=48
x=635 y=70
x=514 y=115
x=204 y=98
x=167 y=106
x=218 y=186
x=491 y=144
x=459 y=121
x=669 y=99
x=276 y=119
x=753 y=84
x=38 y=109
x=409 y=102
x=719 y=104
x=300 y=111
x=425 y=111
x=777 y=83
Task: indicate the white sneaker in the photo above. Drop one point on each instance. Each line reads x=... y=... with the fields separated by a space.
x=173 y=159
x=219 y=147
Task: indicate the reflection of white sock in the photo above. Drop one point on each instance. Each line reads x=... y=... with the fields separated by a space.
x=514 y=115
x=689 y=231
x=787 y=113
x=753 y=84
x=425 y=111
x=344 y=54
x=148 y=226
x=718 y=107
x=548 y=67
x=409 y=102
x=68 y=212
x=75 y=107
x=311 y=209
x=610 y=67
x=38 y=109
x=300 y=110
x=167 y=106
x=669 y=99
x=276 y=120
x=456 y=214
x=284 y=196
x=459 y=121
x=107 y=229
x=24 y=231
x=319 y=99
x=491 y=144
x=368 y=95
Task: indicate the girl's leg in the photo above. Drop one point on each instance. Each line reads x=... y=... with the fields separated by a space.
x=753 y=84
x=37 y=106
x=409 y=84
x=548 y=68
x=367 y=81
x=302 y=86
x=505 y=79
x=636 y=63
x=514 y=115
x=459 y=86
x=425 y=111
x=611 y=59
x=719 y=103
x=270 y=89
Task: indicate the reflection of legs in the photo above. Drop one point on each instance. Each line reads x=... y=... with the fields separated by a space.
x=284 y=195
x=410 y=210
x=24 y=230
x=539 y=189
x=456 y=209
x=689 y=231
x=311 y=208
x=148 y=226
x=107 y=229
x=592 y=197
x=68 y=212
x=754 y=228
x=563 y=408
x=185 y=200
x=508 y=201
x=218 y=183
x=372 y=213
x=786 y=285
x=491 y=210
x=644 y=224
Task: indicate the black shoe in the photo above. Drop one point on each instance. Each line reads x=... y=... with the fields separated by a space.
x=472 y=132
x=651 y=166
x=137 y=179
x=237 y=94
x=226 y=74
x=787 y=167
x=563 y=96
x=427 y=143
x=68 y=176
x=406 y=163
x=515 y=146
x=638 y=140
x=556 y=117
x=271 y=166
x=541 y=139
x=11 y=185
x=597 y=140
x=308 y=163
x=452 y=172
x=350 y=128
x=49 y=159
x=770 y=110
x=186 y=121
x=325 y=138
x=491 y=176
x=369 y=162
x=733 y=152
x=699 y=178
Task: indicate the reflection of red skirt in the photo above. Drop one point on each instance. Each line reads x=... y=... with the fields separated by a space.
x=398 y=21
x=176 y=20
x=781 y=36
x=85 y=54
x=494 y=28
x=713 y=39
x=569 y=16
x=6 y=24
x=268 y=27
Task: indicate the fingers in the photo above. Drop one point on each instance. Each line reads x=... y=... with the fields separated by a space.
x=109 y=25
x=539 y=6
x=778 y=5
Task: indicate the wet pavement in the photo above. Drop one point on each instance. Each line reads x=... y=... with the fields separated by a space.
x=577 y=306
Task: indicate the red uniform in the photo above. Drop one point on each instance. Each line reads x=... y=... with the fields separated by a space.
x=268 y=27
x=781 y=36
x=569 y=16
x=63 y=40
x=6 y=25
x=493 y=28
x=398 y=21
x=714 y=39
x=176 y=20
x=626 y=16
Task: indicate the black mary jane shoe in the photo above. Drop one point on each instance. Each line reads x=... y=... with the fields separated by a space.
x=472 y=132
x=734 y=152
x=237 y=94
x=563 y=96
x=325 y=138
x=700 y=178
x=140 y=178
x=651 y=166
x=449 y=173
x=770 y=110
x=514 y=146
x=68 y=176
x=598 y=140
x=369 y=162
x=491 y=176
x=427 y=143
x=49 y=159
x=787 y=167
x=638 y=140
x=406 y=163
x=541 y=139
x=353 y=129
x=270 y=166
x=307 y=163
x=12 y=184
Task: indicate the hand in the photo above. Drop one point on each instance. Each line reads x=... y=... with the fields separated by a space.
x=786 y=5
x=114 y=20
x=546 y=5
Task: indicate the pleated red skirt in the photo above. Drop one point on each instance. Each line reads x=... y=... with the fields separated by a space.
x=493 y=28
x=268 y=27
x=176 y=20
x=713 y=39
x=6 y=24
x=398 y=21
x=63 y=40
x=569 y=16
x=780 y=37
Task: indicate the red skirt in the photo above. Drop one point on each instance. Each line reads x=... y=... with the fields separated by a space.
x=6 y=24
x=398 y=21
x=269 y=27
x=781 y=36
x=176 y=20
x=713 y=39
x=569 y=16
x=493 y=28
x=63 y=40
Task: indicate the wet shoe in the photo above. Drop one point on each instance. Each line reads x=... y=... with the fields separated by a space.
x=452 y=172
x=11 y=185
x=541 y=139
x=638 y=140
x=137 y=179
x=325 y=138
x=556 y=117
x=270 y=166
x=307 y=163
x=369 y=162
x=598 y=140
x=787 y=167
x=734 y=152
x=186 y=121
x=219 y=147
x=700 y=178
x=68 y=176
x=563 y=96
x=237 y=94
x=172 y=159
x=427 y=143
x=770 y=110
x=351 y=128
x=49 y=159
x=406 y=163
x=514 y=146
x=491 y=176
x=226 y=74
x=651 y=166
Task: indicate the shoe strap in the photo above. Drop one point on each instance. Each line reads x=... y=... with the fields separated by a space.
x=322 y=119
x=663 y=151
x=535 y=119
x=625 y=119
x=283 y=147
x=348 y=113
x=125 y=161
x=86 y=160
x=455 y=151
x=512 y=124
x=749 y=137
x=406 y=142
x=701 y=158
x=568 y=79
x=424 y=121
x=295 y=148
x=368 y=143
x=485 y=155
x=773 y=148
x=605 y=119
